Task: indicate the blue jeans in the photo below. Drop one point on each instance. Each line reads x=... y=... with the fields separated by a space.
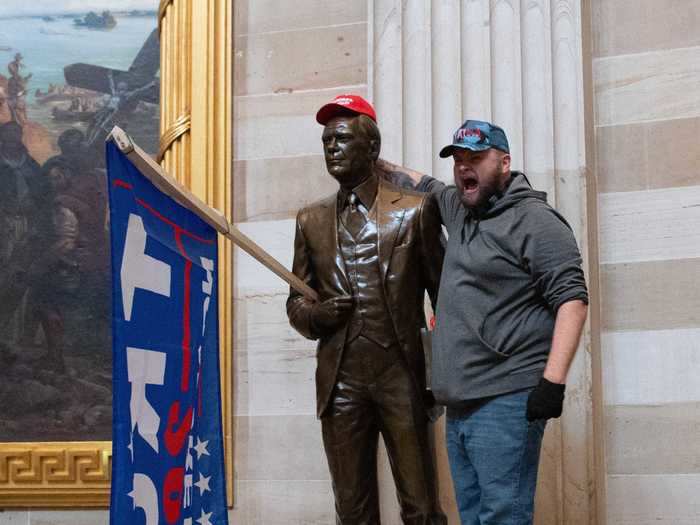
x=494 y=453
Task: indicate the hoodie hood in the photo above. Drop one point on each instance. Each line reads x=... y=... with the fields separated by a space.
x=518 y=189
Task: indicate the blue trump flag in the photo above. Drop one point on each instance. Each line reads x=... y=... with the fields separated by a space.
x=167 y=465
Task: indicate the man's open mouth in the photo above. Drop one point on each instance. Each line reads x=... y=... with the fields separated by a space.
x=470 y=184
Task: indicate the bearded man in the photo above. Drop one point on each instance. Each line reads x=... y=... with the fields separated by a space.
x=512 y=305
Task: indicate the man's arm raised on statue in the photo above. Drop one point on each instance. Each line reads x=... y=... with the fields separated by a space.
x=407 y=178
x=397 y=175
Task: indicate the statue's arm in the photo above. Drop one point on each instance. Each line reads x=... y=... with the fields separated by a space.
x=299 y=307
x=432 y=247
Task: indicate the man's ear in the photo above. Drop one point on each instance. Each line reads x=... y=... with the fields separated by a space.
x=374 y=147
x=505 y=163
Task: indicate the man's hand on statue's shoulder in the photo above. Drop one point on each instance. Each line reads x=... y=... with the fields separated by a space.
x=331 y=313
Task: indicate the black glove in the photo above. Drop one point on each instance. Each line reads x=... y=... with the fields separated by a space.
x=331 y=313
x=545 y=401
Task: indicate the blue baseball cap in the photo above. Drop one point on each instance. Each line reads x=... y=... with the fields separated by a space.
x=477 y=135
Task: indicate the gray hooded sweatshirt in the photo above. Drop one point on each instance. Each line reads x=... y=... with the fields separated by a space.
x=507 y=269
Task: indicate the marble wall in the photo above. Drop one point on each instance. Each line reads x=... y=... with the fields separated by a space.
x=646 y=76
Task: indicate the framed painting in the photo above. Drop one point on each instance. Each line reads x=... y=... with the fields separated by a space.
x=67 y=76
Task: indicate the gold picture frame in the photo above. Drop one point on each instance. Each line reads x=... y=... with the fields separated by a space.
x=196 y=148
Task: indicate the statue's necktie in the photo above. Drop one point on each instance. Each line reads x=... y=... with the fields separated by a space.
x=354 y=216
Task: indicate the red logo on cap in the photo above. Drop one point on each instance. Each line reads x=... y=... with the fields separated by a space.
x=470 y=132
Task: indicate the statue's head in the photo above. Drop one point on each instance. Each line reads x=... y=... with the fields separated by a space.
x=351 y=139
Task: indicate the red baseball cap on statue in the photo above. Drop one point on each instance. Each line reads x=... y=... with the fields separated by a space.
x=344 y=105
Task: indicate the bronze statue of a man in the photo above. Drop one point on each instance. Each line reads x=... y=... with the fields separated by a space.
x=370 y=251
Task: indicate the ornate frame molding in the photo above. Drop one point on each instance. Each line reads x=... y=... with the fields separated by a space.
x=61 y=474
x=196 y=84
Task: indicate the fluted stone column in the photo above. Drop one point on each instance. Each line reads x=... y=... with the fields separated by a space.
x=446 y=80
x=538 y=139
x=506 y=76
x=415 y=39
x=476 y=59
x=386 y=80
x=517 y=63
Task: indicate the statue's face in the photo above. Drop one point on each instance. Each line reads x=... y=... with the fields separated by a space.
x=348 y=151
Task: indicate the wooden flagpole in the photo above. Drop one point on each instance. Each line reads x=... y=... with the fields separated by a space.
x=168 y=185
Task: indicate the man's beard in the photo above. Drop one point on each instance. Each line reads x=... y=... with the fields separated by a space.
x=487 y=187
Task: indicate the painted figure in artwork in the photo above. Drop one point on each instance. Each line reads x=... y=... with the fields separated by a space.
x=66 y=77
x=17 y=90
x=22 y=192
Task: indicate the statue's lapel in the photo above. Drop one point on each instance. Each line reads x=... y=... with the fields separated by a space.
x=389 y=218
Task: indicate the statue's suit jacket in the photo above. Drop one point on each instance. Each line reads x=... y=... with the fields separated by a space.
x=410 y=258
